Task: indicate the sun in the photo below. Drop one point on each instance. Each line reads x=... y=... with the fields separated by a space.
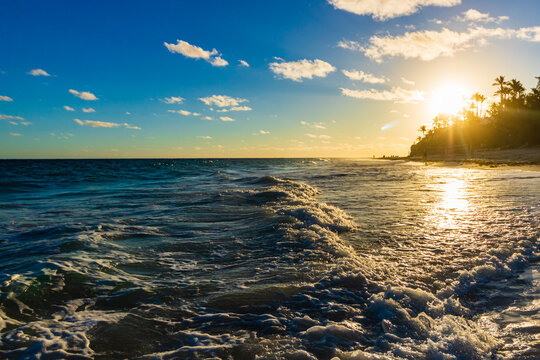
x=448 y=99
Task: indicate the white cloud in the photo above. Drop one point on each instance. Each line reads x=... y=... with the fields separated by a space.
x=85 y=95
x=222 y=100
x=530 y=33
x=313 y=136
x=208 y=118
x=205 y=137
x=181 y=112
x=218 y=61
x=387 y=9
x=408 y=82
x=195 y=52
x=38 y=72
x=131 y=127
x=14 y=134
x=9 y=117
x=94 y=124
x=88 y=110
x=243 y=63
x=298 y=70
x=477 y=16
x=173 y=100
x=226 y=118
x=364 y=77
x=236 y=108
x=397 y=95
x=5 y=98
x=429 y=44
x=69 y=108
x=264 y=132
x=196 y=114
x=314 y=125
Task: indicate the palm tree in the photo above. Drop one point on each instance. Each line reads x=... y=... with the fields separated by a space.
x=499 y=81
x=479 y=99
x=516 y=89
x=423 y=129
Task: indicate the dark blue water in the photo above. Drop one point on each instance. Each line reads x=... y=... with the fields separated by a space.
x=269 y=259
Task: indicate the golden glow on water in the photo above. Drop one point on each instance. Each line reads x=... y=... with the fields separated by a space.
x=455 y=197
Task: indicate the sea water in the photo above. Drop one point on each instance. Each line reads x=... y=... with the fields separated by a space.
x=268 y=259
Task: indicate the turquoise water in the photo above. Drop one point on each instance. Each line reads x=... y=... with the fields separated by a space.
x=269 y=259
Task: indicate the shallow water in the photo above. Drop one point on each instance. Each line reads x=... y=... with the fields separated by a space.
x=270 y=259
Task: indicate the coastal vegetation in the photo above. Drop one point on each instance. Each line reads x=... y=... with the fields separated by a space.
x=512 y=120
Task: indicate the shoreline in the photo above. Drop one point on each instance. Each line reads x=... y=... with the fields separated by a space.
x=522 y=157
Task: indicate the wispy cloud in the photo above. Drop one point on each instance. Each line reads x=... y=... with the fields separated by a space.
x=205 y=137
x=408 y=82
x=173 y=100
x=38 y=72
x=226 y=118
x=364 y=77
x=85 y=95
x=15 y=134
x=315 y=125
x=5 y=98
x=208 y=118
x=429 y=44
x=95 y=124
x=264 y=132
x=236 y=108
x=195 y=52
x=69 y=108
x=387 y=9
x=301 y=69
x=243 y=63
x=132 y=127
x=397 y=95
x=222 y=100
x=88 y=110
x=181 y=112
x=313 y=136
x=10 y=117
x=473 y=15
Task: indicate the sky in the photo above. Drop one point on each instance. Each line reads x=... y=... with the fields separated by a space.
x=189 y=79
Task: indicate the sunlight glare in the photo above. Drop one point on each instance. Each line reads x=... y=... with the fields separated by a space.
x=448 y=99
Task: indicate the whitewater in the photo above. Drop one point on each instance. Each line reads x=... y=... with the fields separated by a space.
x=268 y=259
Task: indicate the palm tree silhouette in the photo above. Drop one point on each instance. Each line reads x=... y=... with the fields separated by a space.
x=479 y=99
x=499 y=81
x=423 y=129
x=516 y=89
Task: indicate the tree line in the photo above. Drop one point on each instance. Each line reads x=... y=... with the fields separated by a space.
x=512 y=121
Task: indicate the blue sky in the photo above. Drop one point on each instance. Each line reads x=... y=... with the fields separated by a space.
x=325 y=78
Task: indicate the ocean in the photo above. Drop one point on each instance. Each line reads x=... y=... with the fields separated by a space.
x=268 y=259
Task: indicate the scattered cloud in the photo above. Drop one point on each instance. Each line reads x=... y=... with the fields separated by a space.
x=88 y=110
x=38 y=72
x=243 y=63
x=10 y=117
x=407 y=82
x=208 y=118
x=127 y=126
x=222 y=101
x=473 y=15
x=264 y=132
x=397 y=95
x=5 y=98
x=205 y=137
x=313 y=136
x=85 y=95
x=69 y=108
x=236 y=108
x=314 y=125
x=429 y=44
x=195 y=52
x=226 y=118
x=181 y=112
x=364 y=77
x=94 y=124
x=387 y=9
x=301 y=69
x=14 y=134
x=173 y=100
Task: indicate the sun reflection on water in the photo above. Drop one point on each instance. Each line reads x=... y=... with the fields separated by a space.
x=455 y=197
